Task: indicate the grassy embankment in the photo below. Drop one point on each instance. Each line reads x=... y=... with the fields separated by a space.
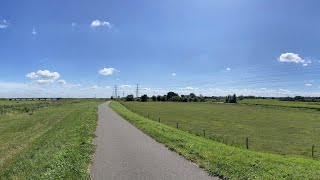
x=55 y=142
x=280 y=130
x=220 y=159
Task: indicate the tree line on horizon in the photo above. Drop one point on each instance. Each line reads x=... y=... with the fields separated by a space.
x=174 y=97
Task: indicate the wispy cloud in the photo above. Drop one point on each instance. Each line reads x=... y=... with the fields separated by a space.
x=34 y=32
x=308 y=84
x=44 y=81
x=3 y=24
x=98 y=23
x=173 y=74
x=228 y=69
x=61 y=81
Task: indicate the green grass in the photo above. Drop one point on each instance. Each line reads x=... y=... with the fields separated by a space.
x=284 y=131
x=7 y=102
x=273 y=102
x=53 y=143
x=220 y=159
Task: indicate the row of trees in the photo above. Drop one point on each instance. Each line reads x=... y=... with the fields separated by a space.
x=170 y=96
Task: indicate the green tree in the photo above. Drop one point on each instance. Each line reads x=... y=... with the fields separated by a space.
x=130 y=97
x=144 y=98
x=231 y=99
x=163 y=98
x=154 y=98
x=176 y=99
x=158 y=98
x=192 y=95
x=171 y=95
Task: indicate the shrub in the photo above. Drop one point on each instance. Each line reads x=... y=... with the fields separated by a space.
x=144 y=98
x=176 y=98
x=130 y=98
x=154 y=98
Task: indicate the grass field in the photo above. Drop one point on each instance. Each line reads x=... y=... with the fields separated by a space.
x=220 y=159
x=55 y=142
x=274 y=129
x=273 y=102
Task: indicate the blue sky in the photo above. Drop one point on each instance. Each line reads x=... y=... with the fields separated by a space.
x=70 y=48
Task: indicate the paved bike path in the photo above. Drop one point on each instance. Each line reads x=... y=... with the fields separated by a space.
x=124 y=152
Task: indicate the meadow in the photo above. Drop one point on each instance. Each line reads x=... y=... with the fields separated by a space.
x=225 y=161
x=53 y=142
x=277 y=103
x=269 y=128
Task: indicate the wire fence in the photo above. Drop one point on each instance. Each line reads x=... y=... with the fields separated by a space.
x=247 y=143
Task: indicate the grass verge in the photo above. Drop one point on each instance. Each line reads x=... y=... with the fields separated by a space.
x=53 y=143
x=220 y=159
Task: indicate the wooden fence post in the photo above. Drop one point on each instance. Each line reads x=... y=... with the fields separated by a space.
x=204 y=133
x=159 y=120
x=177 y=125
x=313 y=151
x=247 y=143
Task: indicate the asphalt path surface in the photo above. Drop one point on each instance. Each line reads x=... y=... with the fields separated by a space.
x=124 y=152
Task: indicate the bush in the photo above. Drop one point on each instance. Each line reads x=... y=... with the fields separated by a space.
x=144 y=98
x=231 y=99
x=163 y=98
x=130 y=98
x=154 y=98
x=176 y=98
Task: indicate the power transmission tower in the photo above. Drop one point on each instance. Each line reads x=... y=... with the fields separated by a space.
x=137 y=91
x=116 y=91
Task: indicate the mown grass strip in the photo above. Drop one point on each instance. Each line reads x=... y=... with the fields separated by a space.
x=220 y=159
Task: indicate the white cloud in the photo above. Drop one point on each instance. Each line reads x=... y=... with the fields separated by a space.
x=107 y=71
x=43 y=74
x=34 y=32
x=44 y=81
x=72 y=85
x=293 y=58
x=190 y=88
x=174 y=74
x=61 y=81
x=125 y=86
x=228 y=69
x=73 y=24
x=98 y=23
x=3 y=24
x=308 y=84
x=95 y=87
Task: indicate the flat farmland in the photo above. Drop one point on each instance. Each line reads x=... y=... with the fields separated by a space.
x=281 y=130
x=273 y=102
